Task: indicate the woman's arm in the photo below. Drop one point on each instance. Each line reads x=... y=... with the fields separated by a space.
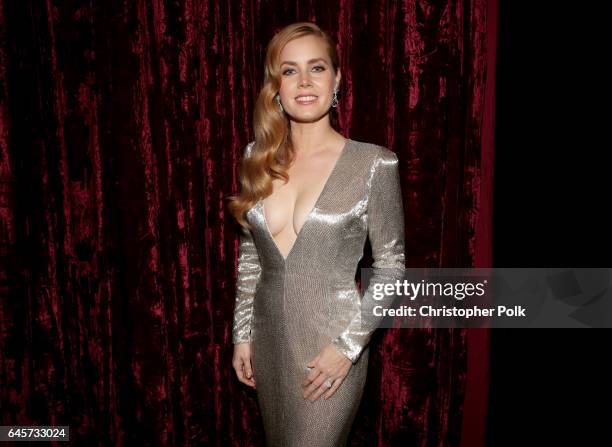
x=249 y=272
x=386 y=233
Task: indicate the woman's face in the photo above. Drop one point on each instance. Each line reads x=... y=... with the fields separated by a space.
x=307 y=79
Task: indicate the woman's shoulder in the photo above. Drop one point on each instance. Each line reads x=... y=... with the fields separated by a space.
x=376 y=152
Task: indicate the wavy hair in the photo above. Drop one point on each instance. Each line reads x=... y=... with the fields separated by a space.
x=272 y=152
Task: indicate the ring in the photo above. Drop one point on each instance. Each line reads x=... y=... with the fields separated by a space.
x=327 y=383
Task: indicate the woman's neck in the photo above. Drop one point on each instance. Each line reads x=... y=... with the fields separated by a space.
x=312 y=137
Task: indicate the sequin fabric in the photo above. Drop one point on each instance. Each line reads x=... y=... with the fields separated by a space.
x=290 y=308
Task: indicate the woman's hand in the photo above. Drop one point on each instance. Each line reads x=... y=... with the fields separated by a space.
x=242 y=364
x=329 y=366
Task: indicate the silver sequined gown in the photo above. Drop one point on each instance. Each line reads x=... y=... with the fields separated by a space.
x=289 y=309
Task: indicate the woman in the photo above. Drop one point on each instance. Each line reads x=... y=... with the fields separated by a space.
x=309 y=199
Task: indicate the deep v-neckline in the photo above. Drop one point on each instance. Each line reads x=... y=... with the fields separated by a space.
x=312 y=210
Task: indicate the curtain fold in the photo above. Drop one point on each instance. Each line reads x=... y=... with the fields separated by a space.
x=121 y=126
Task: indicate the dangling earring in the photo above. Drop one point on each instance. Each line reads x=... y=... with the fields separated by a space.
x=280 y=106
x=334 y=102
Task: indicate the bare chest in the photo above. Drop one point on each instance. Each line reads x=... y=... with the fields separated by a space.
x=288 y=207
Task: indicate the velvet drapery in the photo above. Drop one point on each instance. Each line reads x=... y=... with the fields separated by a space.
x=121 y=125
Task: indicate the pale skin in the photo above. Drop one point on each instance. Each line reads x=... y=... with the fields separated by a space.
x=306 y=70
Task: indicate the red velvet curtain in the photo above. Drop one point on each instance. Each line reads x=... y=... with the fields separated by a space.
x=121 y=125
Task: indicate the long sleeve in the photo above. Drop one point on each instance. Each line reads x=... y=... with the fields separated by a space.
x=385 y=217
x=249 y=272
